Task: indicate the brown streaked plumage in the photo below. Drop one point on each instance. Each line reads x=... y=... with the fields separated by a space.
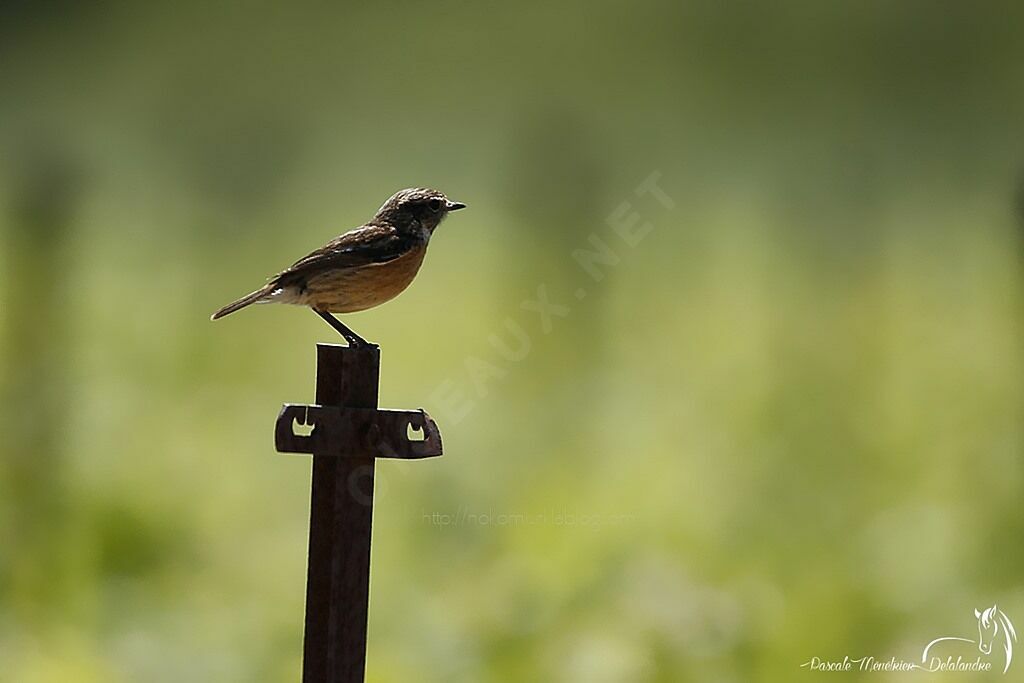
x=364 y=267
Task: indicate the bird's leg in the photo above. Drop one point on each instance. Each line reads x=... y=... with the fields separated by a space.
x=351 y=337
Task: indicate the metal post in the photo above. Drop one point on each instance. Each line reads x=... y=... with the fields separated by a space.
x=349 y=433
x=341 y=512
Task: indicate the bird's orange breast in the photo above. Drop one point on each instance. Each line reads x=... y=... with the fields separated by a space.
x=347 y=290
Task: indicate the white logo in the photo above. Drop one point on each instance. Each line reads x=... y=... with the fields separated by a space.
x=994 y=627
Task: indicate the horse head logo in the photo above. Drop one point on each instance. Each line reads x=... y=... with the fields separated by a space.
x=993 y=626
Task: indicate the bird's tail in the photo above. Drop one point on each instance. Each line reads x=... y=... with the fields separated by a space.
x=251 y=298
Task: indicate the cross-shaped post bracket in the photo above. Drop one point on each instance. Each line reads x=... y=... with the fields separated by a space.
x=356 y=432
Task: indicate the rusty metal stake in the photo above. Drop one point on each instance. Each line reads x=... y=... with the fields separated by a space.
x=348 y=434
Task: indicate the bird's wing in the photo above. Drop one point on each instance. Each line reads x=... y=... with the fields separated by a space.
x=368 y=245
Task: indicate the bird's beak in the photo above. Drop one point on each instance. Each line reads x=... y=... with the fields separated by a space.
x=455 y=206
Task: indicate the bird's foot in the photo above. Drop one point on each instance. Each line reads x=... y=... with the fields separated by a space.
x=353 y=339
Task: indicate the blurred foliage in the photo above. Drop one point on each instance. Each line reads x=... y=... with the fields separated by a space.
x=786 y=424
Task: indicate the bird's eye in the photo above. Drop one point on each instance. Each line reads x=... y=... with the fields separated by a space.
x=434 y=204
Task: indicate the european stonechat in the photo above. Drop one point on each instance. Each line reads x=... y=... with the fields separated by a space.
x=364 y=267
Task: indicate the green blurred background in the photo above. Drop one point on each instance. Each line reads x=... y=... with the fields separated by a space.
x=785 y=424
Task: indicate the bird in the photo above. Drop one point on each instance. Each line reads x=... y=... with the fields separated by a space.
x=362 y=268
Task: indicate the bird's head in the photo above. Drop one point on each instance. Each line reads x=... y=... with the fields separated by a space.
x=416 y=208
